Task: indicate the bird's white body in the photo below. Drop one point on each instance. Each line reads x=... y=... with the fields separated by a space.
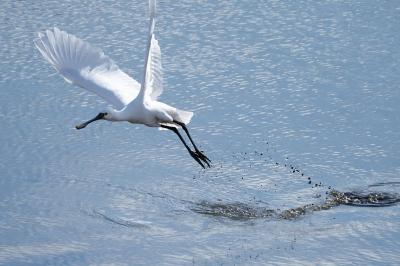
x=149 y=113
x=86 y=66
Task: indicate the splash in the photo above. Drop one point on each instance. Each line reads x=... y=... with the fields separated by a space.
x=234 y=211
x=242 y=211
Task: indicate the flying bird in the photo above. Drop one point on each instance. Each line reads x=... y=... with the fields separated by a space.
x=81 y=64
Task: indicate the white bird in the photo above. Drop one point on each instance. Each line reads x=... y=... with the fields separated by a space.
x=83 y=65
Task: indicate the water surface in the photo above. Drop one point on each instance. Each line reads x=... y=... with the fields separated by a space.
x=292 y=100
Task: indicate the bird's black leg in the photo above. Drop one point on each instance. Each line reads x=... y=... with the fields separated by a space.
x=200 y=153
x=192 y=153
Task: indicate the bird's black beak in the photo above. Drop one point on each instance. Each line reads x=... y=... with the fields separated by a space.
x=98 y=117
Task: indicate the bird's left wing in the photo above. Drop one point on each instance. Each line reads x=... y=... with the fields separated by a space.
x=153 y=77
x=86 y=66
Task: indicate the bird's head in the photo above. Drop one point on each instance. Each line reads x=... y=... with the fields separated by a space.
x=110 y=114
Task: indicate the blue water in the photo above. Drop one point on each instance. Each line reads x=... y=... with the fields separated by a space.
x=276 y=86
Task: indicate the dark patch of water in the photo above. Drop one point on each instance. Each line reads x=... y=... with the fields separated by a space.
x=243 y=211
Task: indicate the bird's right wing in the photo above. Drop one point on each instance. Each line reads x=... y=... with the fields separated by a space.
x=81 y=64
x=154 y=70
x=152 y=84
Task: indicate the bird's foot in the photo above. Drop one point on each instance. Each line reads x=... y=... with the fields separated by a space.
x=197 y=158
x=204 y=158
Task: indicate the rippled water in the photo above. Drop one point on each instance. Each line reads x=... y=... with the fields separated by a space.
x=294 y=101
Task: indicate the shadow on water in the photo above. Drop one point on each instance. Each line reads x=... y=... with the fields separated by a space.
x=242 y=211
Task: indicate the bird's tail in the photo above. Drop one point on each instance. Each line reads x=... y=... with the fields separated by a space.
x=184 y=116
x=181 y=116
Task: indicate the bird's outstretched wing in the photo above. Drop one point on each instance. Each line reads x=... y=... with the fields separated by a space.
x=153 y=78
x=86 y=66
x=154 y=71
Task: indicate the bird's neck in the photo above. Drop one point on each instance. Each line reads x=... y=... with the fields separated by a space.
x=117 y=115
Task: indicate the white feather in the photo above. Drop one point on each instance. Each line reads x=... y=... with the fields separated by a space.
x=86 y=66
x=152 y=84
x=154 y=71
